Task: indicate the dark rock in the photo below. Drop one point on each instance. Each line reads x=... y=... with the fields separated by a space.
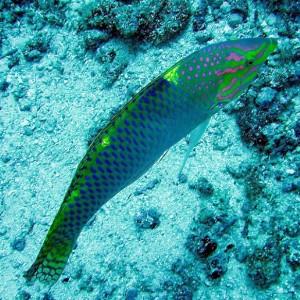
x=218 y=265
x=149 y=20
x=13 y=60
x=3 y=85
x=264 y=265
x=147 y=219
x=297 y=129
x=199 y=17
x=201 y=246
x=48 y=296
x=254 y=185
x=183 y=293
x=203 y=186
x=85 y=284
x=281 y=144
x=36 y=47
x=114 y=57
x=131 y=295
x=24 y=295
x=288 y=187
x=182 y=178
x=293 y=257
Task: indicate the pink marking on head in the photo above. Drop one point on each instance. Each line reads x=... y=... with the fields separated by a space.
x=217 y=54
x=202 y=83
x=194 y=61
x=235 y=56
x=233 y=81
x=220 y=81
x=201 y=58
x=207 y=59
x=196 y=75
x=198 y=66
x=203 y=74
x=217 y=62
x=215 y=58
x=229 y=70
x=209 y=73
x=199 y=88
x=205 y=96
x=231 y=96
x=191 y=68
x=182 y=72
x=251 y=70
x=205 y=65
x=206 y=87
x=212 y=64
x=189 y=77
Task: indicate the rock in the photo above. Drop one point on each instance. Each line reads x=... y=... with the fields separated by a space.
x=203 y=186
x=114 y=57
x=264 y=265
x=149 y=20
x=235 y=19
x=149 y=186
x=131 y=295
x=94 y=38
x=23 y=295
x=183 y=293
x=265 y=98
x=201 y=246
x=18 y=244
x=293 y=257
x=199 y=17
x=218 y=265
x=147 y=219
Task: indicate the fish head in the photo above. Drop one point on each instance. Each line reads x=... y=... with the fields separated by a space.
x=236 y=65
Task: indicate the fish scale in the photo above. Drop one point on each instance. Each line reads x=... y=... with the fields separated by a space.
x=161 y=114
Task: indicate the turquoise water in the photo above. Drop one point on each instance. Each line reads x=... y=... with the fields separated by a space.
x=228 y=228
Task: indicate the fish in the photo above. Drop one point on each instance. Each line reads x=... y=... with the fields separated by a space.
x=178 y=102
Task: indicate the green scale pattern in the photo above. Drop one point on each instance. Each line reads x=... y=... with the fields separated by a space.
x=156 y=118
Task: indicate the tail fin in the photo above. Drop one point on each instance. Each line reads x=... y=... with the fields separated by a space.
x=52 y=257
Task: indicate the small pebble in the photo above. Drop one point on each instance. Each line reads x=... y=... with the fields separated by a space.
x=18 y=244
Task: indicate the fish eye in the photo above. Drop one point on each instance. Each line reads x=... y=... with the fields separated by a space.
x=249 y=62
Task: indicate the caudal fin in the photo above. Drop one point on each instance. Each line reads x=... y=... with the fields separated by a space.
x=51 y=259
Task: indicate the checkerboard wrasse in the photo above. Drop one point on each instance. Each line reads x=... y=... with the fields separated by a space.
x=178 y=102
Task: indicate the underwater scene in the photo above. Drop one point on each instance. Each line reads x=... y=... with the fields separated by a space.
x=149 y=150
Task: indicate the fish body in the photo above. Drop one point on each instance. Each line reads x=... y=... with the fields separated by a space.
x=160 y=115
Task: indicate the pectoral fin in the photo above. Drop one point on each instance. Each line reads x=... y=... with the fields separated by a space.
x=195 y=136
